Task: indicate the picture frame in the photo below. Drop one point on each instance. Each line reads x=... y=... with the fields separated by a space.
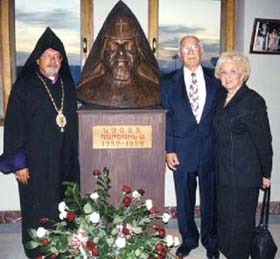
x=265 y=37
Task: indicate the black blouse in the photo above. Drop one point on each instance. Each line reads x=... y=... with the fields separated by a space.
x=243 y=151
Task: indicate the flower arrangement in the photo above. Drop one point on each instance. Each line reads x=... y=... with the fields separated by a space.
x=90 y=227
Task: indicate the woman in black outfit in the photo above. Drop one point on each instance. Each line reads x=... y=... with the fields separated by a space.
x=243 y=155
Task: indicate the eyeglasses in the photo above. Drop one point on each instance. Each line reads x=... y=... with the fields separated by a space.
x=187 y=49
x=232 y=72
x=57 y=57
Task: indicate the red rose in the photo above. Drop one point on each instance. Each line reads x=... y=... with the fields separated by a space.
x=160 y=257
x=153 y=210
x=90 y=245
x=127 y=201
x=44 y=242
x=70 y=216
x=96 y=172
x=53 y=256
x=43 y=220
x=161 y=233
x=39 y=257
x=159 y=247
x=95 y=251
x=163 y=252
x=126 y=231
x=126 y=189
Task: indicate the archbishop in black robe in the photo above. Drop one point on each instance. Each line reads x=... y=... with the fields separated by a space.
x=33 y=140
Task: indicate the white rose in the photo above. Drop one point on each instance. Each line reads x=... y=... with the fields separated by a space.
x=94 y=196
x=176 y=241
x=149 y=204
x=63 y=214
x=120 y=242
x=169 y=240
x=165 y=217
x=136 y=195
x=62 y=206
x=94 y=217
x=41 y=232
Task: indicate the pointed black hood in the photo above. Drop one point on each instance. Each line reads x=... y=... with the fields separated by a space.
x=46 y=41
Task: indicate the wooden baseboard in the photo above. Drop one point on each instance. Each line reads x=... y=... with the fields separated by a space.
x=274 y=209
x=10 y=216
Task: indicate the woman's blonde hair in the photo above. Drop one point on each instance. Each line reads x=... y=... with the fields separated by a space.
x=234 y=57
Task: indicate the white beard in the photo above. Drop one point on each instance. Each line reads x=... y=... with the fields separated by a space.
x=51 y=71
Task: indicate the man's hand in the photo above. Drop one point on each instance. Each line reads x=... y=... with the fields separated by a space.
x=172 y=160
x=22 y=175
x=266 y=182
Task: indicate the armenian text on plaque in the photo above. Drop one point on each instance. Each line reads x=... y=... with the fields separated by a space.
x=122 y=136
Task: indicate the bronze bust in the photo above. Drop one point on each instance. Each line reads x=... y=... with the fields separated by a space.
x=121 y=70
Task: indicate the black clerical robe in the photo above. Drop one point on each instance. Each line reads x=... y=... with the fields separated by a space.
x=49 y=154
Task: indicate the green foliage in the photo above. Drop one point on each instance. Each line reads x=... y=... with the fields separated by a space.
x=90 y=227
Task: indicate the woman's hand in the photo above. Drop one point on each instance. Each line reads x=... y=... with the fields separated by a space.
x=266 y=182
x=172 y=160
x=22 y=175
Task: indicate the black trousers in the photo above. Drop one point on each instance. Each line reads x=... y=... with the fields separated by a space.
x=185 y=187
x=236 y=209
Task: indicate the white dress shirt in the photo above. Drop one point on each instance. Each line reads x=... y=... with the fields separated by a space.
x=201 y=88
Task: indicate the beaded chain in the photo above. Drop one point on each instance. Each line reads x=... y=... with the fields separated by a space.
x=60 y=118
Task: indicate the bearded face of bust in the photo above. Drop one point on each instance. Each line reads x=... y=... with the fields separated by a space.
x=120 y=52
x=121 y=58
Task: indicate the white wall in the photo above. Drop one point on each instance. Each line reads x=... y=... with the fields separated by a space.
x=9 y=199
x=265 y=75
x=265 y=79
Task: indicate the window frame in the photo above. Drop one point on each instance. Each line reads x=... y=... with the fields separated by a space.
x=7 y=36
x=7 y=51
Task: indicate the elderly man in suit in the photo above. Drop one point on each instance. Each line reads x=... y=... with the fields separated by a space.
x=188 y=95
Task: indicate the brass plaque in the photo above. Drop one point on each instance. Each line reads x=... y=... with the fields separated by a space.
x=122 y=136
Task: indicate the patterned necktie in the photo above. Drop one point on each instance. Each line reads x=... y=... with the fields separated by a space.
x=193 y=95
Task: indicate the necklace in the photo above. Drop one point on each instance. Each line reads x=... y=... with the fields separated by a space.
x=60 y=117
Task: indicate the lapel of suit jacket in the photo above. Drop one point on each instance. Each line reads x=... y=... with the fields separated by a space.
x=210 y=94
x=180 y=83
x=182 y=91
x=238 y=95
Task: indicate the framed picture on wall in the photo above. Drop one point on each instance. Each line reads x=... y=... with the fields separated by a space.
x=265 y=37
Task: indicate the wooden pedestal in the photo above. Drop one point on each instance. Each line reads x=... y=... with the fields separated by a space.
x=130 y=143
